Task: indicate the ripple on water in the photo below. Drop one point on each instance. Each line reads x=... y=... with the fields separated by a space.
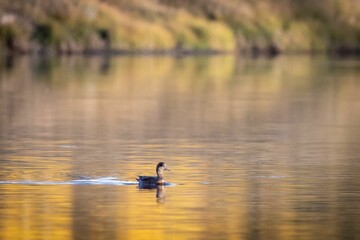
x=94 y=181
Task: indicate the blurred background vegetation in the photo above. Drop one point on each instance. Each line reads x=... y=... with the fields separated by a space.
x=261 y=26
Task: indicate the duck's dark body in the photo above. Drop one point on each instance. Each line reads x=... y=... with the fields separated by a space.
x=152 y=181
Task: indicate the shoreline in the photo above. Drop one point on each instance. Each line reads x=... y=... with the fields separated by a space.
x=341 y=52
x=179 y=28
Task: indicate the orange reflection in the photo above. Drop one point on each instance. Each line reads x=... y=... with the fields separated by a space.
x=30 y=212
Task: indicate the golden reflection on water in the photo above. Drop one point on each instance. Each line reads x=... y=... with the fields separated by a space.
x=29 y=212
x=259 y=148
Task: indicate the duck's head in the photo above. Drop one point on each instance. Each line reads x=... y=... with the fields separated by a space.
x=162 y=167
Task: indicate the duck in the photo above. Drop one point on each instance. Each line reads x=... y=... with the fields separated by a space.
x=154 y=181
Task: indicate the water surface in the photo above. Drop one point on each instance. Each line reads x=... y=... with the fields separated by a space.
x=259 y=148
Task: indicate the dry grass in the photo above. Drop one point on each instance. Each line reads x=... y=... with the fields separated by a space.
x=82 y=25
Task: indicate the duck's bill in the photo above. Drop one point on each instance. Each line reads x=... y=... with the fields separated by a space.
x=167 y=169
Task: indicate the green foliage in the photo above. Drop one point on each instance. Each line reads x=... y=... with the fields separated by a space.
x=43 y=33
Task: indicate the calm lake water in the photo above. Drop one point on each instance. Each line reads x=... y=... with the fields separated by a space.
x=259 y=148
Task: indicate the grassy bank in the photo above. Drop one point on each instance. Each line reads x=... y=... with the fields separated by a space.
x=262 y=26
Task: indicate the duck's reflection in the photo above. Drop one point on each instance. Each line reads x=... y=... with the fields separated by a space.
x=160 y=194
x=160 y=191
